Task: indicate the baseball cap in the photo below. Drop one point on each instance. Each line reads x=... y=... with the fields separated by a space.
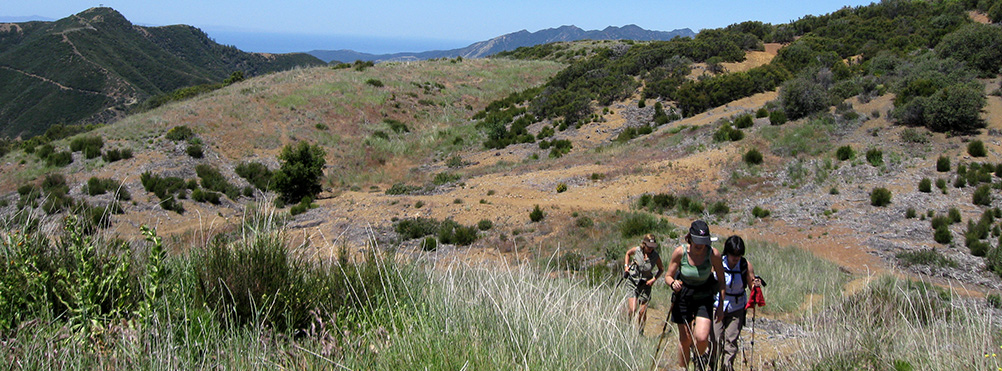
x=700 y=233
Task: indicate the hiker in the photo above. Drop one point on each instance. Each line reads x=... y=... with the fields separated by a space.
x=638 y=270
x=739 y=275
x=694 y=274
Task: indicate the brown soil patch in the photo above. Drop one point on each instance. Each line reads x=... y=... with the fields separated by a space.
x=979 y=17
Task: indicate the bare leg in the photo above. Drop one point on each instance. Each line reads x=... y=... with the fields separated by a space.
x=684 y=342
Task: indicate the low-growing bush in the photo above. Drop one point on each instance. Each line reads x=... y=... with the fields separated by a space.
x=943 y=235
x=402 y=189
x=943 y=164
x=976 y=148
x=536 y=214
x=880 y=196
x=930 y=257
x=925 y=185
x=485 y=224
x=180 y=133
x=875 y=157
x=759 y=212
x=562 y=187
x=752 y=157
x=777 y=117
x=416 y=227
x=255 y=173
x=845 y=153
x=195 y=151
x=446 y=177
x=983 y=195
x=911 y=213
x=719 y=208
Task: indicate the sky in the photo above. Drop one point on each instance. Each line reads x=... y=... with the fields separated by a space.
x=385 y=26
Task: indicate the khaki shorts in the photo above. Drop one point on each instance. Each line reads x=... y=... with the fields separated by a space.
x=641 y=291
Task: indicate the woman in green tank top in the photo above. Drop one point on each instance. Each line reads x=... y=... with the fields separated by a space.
x=700 y=274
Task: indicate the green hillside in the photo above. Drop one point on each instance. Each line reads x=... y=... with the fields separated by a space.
x=92 y=66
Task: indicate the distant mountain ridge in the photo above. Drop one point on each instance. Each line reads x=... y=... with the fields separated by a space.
x=94 y=65
x=511 y=41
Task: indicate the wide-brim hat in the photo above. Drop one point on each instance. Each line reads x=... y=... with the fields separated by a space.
x=699 y=232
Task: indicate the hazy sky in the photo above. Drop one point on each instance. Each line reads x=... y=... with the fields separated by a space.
x=462 y=21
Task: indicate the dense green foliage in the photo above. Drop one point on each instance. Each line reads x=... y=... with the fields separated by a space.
x=300 y=172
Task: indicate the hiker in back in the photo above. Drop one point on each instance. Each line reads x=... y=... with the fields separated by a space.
x=738 y=276
x=638 y=269
x=695 y=272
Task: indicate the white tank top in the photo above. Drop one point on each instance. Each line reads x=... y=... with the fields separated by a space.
x=735 y=298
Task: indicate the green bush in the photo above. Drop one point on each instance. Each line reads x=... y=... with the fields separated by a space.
x=536 y=214
x=880 y=196
x=300 y=172
x=213 y=180
x=201 y=195
x=941 y=184
x=983 y=195
x=562 y=187
x=416 y=227
x=744 y=121
x=429 y=244
x=445 y=178
x=374 y=82
x=943 y=235
x=402 y=189
x=485 y=224
x=180 y=133
x=954 y=215
x=875 y=157
x=195 y=151
x=845 y=153
x=759 y=212
x=584 y=222
x=637 y=224
x=255 y=173
x=719 y=208
x=925 y=185
x=762 y=112
x=59 y=159
x=752 y=157
x=979 y=248
x=993 y=261
x=976 y=148
x=113 y=155
x=943 y=164
x=911 y=213
x=930 y=257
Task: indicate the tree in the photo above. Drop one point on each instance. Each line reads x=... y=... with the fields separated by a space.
x=300 y=172
x=956 y=108
x=977 y=44
x=802 y=97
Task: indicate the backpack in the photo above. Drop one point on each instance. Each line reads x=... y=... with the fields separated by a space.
x=742 y=270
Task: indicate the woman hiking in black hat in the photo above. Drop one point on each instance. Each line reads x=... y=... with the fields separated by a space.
x=695 y=272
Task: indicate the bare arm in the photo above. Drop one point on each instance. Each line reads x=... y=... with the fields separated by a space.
x=626 y=262
x=673 y=265
x=718 y=268
x=752 y=281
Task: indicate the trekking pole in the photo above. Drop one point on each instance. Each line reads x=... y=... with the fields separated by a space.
x=753 y=339
x=664 y=330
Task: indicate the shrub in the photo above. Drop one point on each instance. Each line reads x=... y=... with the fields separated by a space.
x=759 y=212
x=300 y=172
x=719 y=208
x=416 y=227
x=943 y=164
x=454 y=162
x=880 y=197
x=584 y=222
x=875 y=157
x=195 y=151
x=910 y=213
x=910 y=135
x=59 y=159
x=762 y=112
x=429 y=244
x=90 y=146
x=925 y=185
x=374 y=82
x=993 y=261
x=979 y=248
x=752 y=157
x=446 y=177
x=941 y=184
x=113 y=155
x=201 y=195
x=561 y=188
x=930 y=257
x=255 y=173
x=536 y=214
x=983 y=195
x=976 y=148
x=954 y=215
x=180 y=133
x=845 y=153
x=485 y=224
x=637 y=224
x=213 y=180
x=943 y=235
x=744 y=121
x=994 y=300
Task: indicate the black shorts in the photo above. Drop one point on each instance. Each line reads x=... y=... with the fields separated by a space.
x=688 y=307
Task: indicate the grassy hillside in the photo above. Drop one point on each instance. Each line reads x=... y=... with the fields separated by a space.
x=473 y=213
x=90 y=66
